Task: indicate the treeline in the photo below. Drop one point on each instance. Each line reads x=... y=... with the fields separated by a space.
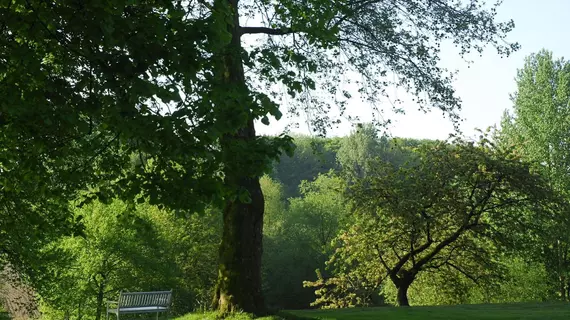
x=306 y=207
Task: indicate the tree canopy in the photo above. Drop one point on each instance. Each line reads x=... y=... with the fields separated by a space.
x=446 y=210
x=90 y=86
x=537 y=128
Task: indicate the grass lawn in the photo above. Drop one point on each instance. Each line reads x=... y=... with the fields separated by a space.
x=522 y=311
x=3 y=314
x=212 y=316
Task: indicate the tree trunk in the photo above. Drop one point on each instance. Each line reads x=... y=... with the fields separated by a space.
x=403 y=294
x=100 y=292
x=562 y=289
x=239 y=275
x=403 y=280
x=568 y=290
x=239 y=272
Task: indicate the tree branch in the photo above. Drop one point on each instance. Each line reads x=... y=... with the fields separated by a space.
x=388 y=270
x=265 y=30
x=412 y=240
x=395 y=252
x=449 y=240
x=410 y=254
x=437 y=266
x=463 y=272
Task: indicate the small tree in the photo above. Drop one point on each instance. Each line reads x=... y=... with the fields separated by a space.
x=446 y=210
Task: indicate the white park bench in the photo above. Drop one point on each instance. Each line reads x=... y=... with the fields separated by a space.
x=140 y=302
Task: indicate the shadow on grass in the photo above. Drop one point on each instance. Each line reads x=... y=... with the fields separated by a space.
x=276 y=315
x=288 y=316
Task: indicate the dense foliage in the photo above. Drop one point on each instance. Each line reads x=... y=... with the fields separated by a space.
x=129 y=159
x=129 y=249
x=443 y=212
x=538 y=129
x=87 y=86
x=125 y=247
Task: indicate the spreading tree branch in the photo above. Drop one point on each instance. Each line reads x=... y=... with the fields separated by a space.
x=463 y=272
x=382 y=259
x=395 y=251
x=265 y=30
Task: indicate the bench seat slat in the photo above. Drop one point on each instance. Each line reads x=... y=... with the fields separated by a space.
x=141 y=302
x=139 y=309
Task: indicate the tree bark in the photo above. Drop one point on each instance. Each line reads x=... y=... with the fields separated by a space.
x=100 y=293
x=403 y=280
x=568 y=290
x=239 y=272
x=562 y=288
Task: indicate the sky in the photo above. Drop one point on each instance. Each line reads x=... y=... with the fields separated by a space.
x=485 y=85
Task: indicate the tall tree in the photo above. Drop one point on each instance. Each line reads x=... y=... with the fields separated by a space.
x=359 y=147
x=88 y=84
x=365 y=143
x=538 y=129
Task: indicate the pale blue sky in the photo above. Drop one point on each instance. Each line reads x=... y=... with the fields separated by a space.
x=486 y=85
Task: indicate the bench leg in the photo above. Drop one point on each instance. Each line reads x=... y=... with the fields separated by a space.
x=157 y=316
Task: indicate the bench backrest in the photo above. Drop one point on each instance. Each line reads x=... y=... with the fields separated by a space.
x=145 y=299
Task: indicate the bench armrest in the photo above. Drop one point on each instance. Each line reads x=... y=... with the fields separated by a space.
x=111 y=302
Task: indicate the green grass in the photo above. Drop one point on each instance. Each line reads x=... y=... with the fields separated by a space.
x=3 y=314
x=212 y=316
x=526 y=311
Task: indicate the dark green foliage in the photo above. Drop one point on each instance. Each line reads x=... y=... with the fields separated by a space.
x=82 y=87
x=312 y=156
x=86 y=85
x=302 y=241
x=365 y=144
x=315 y=155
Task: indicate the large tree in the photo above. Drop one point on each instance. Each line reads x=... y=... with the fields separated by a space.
x=450 y=210
x=87 y=85
x=538 y=128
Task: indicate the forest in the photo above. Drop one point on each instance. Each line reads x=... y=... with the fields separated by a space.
x=130 y=161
